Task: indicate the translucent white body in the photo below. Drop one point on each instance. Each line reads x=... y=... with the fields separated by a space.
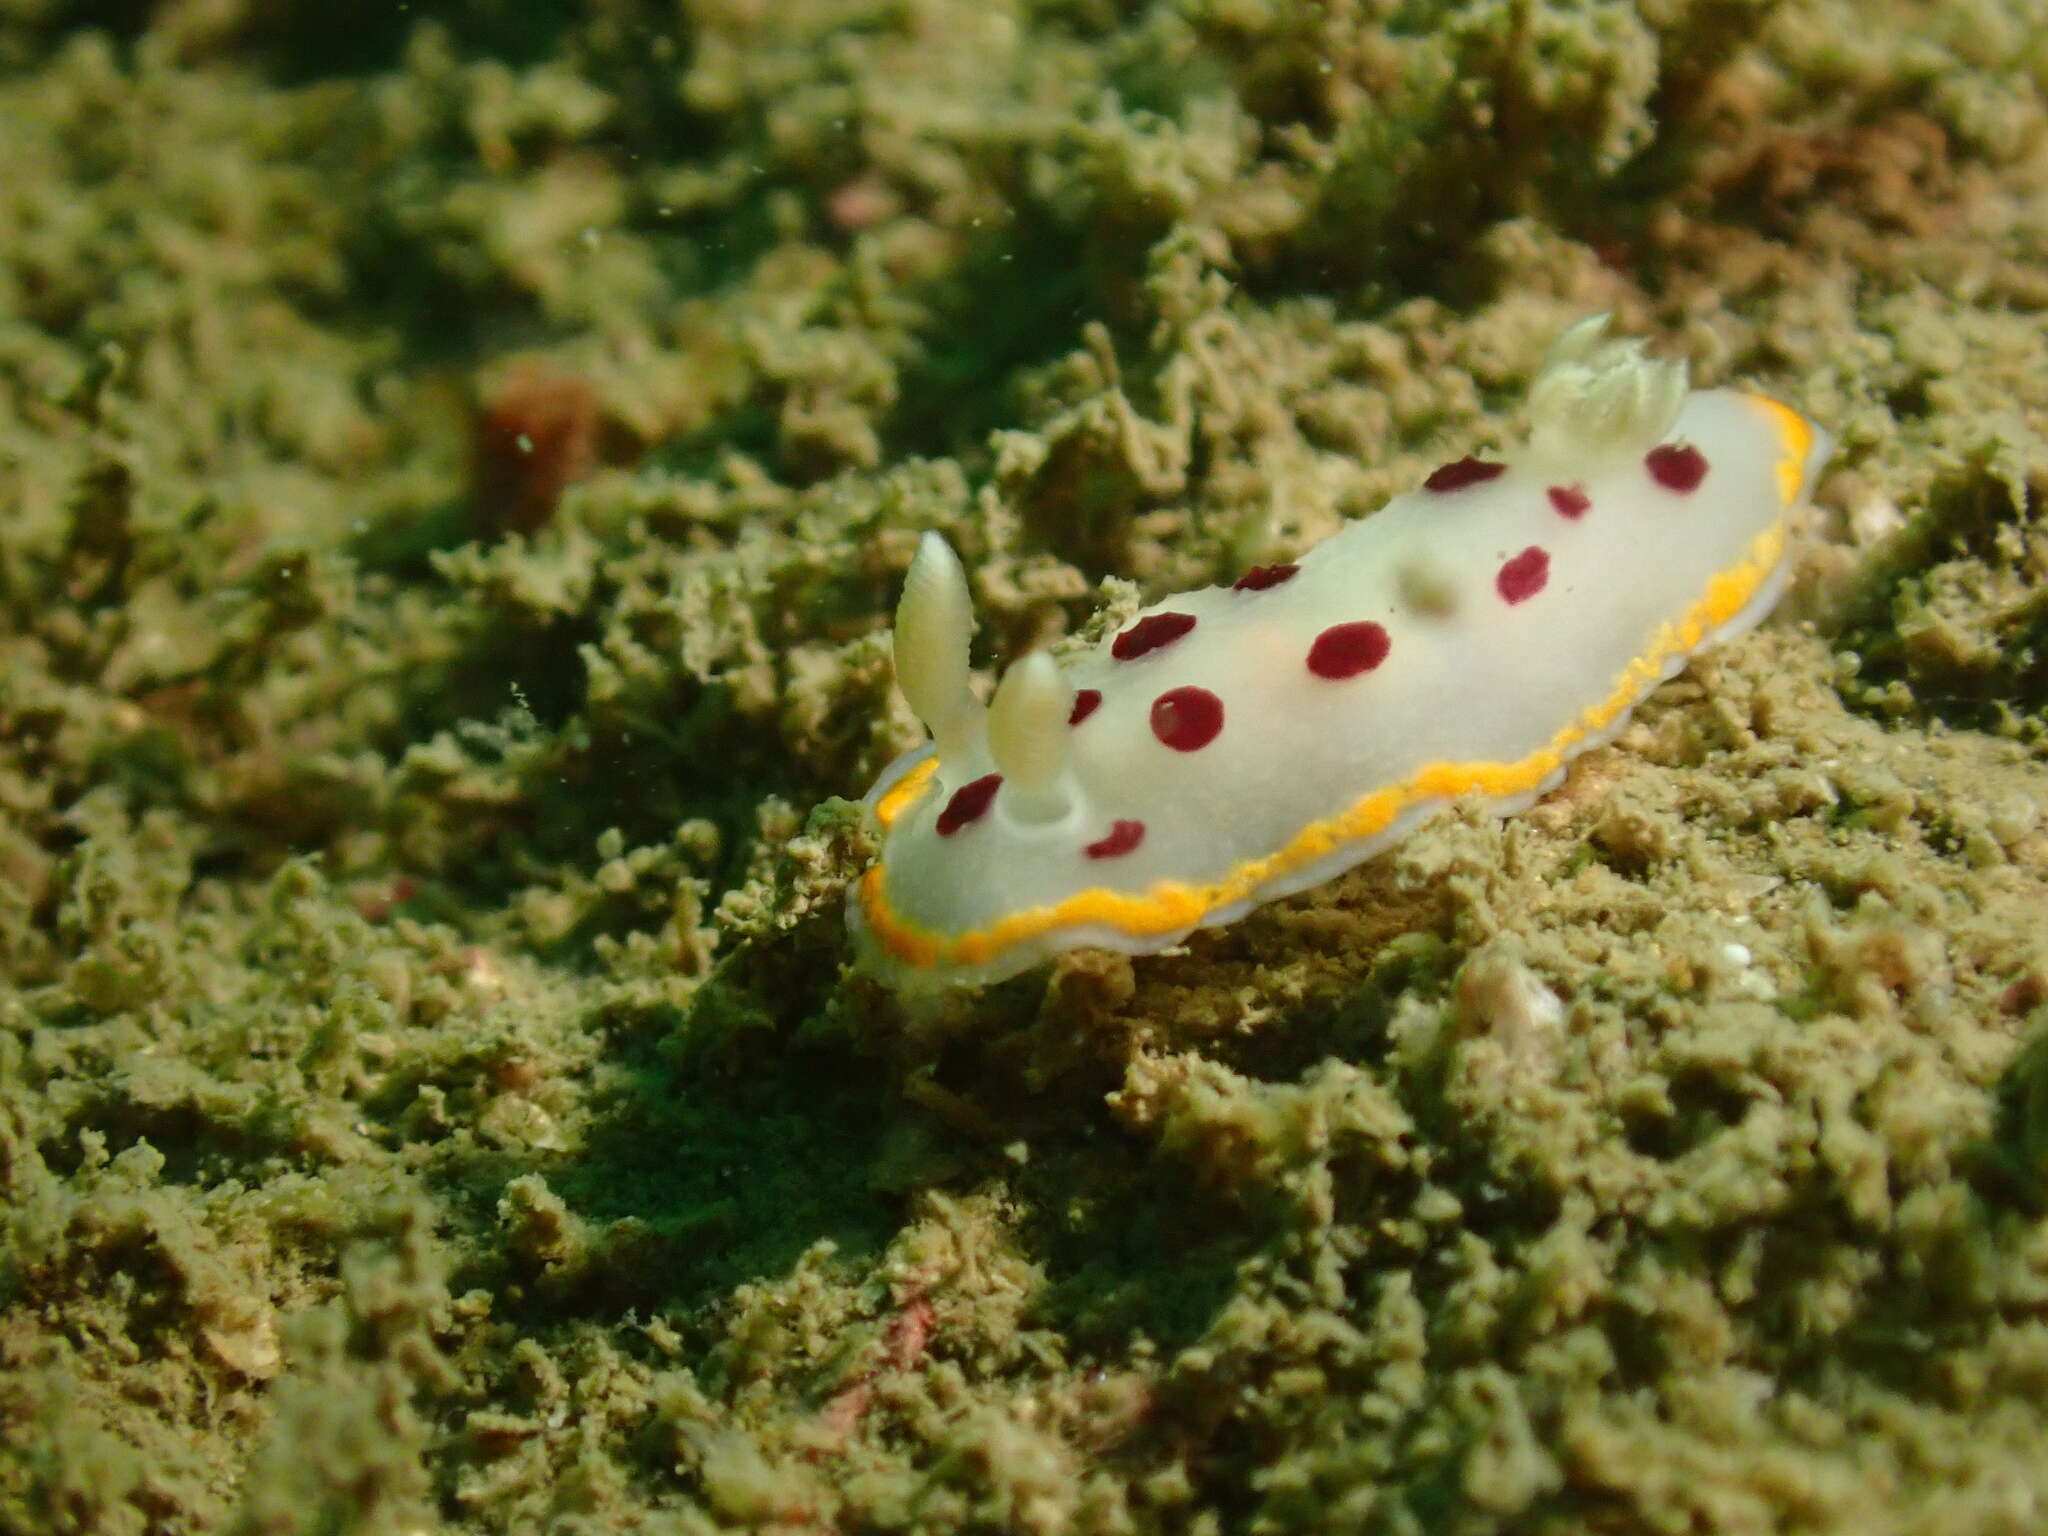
x=1522 y=609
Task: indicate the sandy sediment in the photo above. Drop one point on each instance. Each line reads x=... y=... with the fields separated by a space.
x=454 y=477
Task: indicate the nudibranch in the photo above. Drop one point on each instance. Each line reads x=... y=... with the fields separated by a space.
x=1244 y=742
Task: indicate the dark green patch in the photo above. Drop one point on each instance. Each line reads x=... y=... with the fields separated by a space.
x=1947 y=625
x=699 y=1176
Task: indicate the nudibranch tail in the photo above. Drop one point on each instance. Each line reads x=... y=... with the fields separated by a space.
x=1597 y=395
x=1027 y=737
x=934 y=621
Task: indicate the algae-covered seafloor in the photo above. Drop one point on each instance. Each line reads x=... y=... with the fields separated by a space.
x=456 y=464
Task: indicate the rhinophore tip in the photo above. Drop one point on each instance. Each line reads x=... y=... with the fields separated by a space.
x=934 y=621
x=1027 y=737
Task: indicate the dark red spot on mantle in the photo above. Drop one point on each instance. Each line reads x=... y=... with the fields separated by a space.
x=1086 y=702
x=1260 y=577
x=1523 y=576
x=1459 y=473
x=1345 y=650
x=970 y=803
x=1570 y=500
x=1677 y=467
x=1187 y=719
x=1149 y=634
x=1124 y=836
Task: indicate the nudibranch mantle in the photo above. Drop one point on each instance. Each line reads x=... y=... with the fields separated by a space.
x=1241 y=743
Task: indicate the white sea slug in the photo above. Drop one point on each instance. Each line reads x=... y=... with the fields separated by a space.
x=1241 y=743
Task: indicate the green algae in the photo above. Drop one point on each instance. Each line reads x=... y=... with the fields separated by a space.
x=430 y=1092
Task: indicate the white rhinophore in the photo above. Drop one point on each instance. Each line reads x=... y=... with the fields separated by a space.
x=934 y=621
x=1597 y=395
x=1028 y=736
